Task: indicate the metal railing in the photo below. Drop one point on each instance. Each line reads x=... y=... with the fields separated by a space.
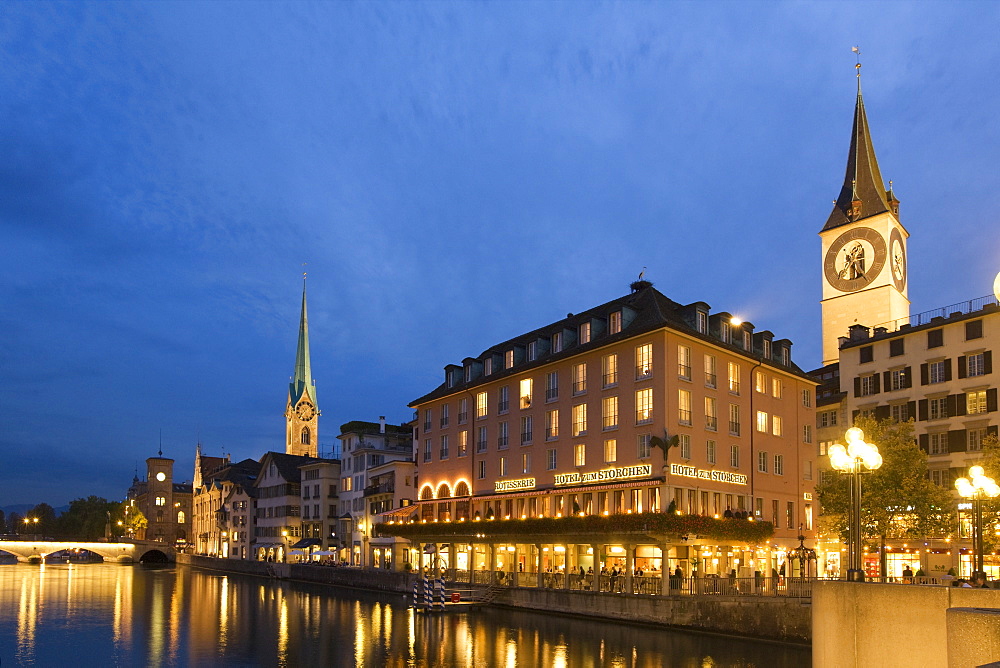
x=926 y=317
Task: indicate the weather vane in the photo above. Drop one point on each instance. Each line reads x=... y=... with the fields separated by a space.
x=304 y=272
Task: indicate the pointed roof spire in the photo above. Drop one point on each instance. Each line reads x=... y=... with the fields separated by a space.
x=302 y=382
x=862 y=181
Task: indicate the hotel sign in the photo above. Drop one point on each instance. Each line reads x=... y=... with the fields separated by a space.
x=604 y=475
x=704 y=474
x=511 y=485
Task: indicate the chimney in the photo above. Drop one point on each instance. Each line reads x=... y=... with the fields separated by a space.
x=381 y=424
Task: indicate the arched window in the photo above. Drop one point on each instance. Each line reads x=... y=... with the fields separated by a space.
x=426 y=493
x=180 y=517
x=305 y=436
x=161 y=501
x=462 y=489
x=444 y=491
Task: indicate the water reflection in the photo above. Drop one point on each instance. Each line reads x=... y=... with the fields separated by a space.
x=110 y=614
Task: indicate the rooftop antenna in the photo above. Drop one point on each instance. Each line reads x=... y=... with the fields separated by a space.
x=161 y=441
x=858 y=66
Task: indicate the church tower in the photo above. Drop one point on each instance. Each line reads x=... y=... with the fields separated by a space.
x=864 y=246
x=301 y=413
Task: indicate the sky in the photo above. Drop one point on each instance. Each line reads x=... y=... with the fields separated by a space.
x=450 y=175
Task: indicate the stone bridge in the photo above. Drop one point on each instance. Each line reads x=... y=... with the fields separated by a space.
x=124 y=551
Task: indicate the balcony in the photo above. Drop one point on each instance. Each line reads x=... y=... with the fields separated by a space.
x=384 y=488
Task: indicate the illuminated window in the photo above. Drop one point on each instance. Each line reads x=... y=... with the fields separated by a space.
x=683 y=406
x=776 y=388
x=463 y=443
x=508 y=359
x=161 y=501
x=610 y=451
x=759 y=382
x=306 y=436
x=552 y=424
x=644 y=406
x=580 y=378
x=181 y=517
x=710 y=377
x=609 y=370
x=776 y=425
x=684 y=362
x=579 y=419
x=585 y=333
x=503 y=466
x=711 y=417
x=762 y=421
x=526 y=387
x=734 y=377
x=481 y=405
x=615 y=322
x=609 y=413
x=579 y=454
x=644 y=361
x=526 y=462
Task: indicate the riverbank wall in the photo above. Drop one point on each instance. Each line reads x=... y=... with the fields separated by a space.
x=780 y=619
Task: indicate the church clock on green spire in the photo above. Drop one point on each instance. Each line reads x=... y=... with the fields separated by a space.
x=864 y=246
x=301 y=410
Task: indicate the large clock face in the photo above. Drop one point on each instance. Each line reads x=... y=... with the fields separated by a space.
x=305 y=411
x=855 y=259
x=897 y=259
x=161 y=476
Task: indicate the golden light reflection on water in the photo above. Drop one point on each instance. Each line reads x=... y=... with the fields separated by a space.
x=130 y=615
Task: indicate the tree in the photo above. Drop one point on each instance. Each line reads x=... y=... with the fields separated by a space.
x=990 y=461
x=897 y=500
x=86 y=519
x=129 y=520
x=46 y=515
x=14 y=523
x=3 y=523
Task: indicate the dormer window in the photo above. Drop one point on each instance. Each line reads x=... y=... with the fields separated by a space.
x=585 y=333
x=532 y=351
x=701 y=322
x=785 y=358
x=746 y=340
x=767 y=349
x=615 y=322
x=557 y=341
x=468 y=373
x=508 y=359
x=487 y=366
x=725 y=332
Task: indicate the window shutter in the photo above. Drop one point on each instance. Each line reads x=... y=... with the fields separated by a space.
x=908 y=377
x=991 y=400
x=875 y=384
x=922 y=404
x=881 y=412
x=924 y=442
x=923 y=374
x=992 y=429
x=947 y=369
x=885 y=380
x=857 y=387
x=911 y=410
x=952 y=405
x=956 y=440
x=961 y=366
x=854 y=415
x=960 y=406
x=988 y=361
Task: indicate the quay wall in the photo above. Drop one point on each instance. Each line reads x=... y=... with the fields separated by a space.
x=780 y=619
x=860 y=625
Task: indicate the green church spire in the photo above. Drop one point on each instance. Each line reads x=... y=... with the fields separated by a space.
x=302 y=382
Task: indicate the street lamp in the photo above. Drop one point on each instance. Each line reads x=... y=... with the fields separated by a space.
x=852 y=459
x=978 y=489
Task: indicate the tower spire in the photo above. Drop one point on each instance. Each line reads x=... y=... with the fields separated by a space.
x=302 y=382
x=863 y=193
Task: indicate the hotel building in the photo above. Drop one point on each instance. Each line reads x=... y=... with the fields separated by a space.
x=578 y=418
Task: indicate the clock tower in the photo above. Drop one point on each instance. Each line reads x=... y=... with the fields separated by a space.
x=864 y=247
x=301 y=410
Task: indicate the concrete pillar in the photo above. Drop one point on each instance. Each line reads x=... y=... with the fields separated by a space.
x=539 y=566
x=629 y=568
x=664 y=569
x=515 y=563
x=452 y=559
x=596 y=585
x=566 y=568
x=491 y=556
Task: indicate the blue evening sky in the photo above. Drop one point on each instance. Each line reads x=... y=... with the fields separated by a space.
x=454 y=174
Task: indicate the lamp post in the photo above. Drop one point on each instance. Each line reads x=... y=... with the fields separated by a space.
x=980 y=488
x=856 y=456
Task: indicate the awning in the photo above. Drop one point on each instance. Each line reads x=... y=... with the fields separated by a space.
x=402 y=513
x=306 y=542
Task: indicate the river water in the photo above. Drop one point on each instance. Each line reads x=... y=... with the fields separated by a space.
x=116 y=615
